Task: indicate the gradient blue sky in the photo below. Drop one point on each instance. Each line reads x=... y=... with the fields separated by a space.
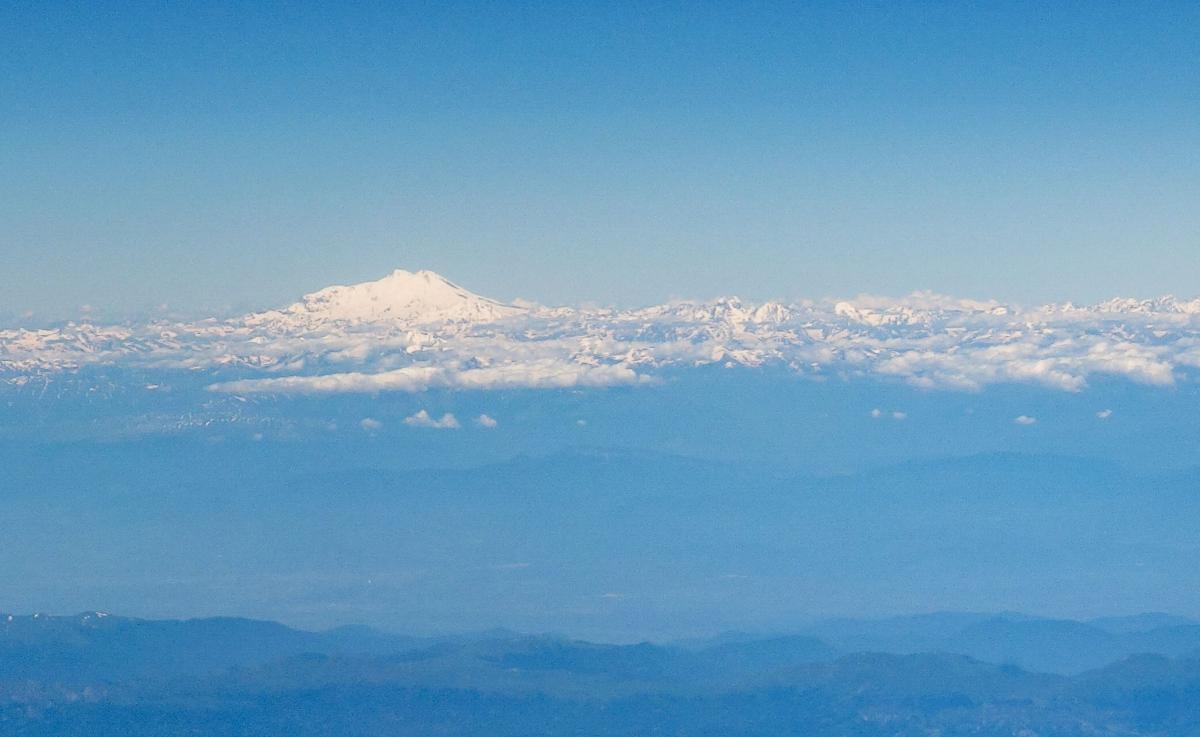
x=215 y=156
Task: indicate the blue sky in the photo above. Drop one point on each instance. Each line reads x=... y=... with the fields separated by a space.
x=214 y=156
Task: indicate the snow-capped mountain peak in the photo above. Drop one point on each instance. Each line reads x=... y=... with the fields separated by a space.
x=402 y=297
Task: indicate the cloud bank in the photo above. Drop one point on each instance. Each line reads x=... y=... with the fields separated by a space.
x=544 y=374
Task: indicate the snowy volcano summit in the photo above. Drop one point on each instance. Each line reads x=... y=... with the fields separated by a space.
x=401 y=298
x=412 y=331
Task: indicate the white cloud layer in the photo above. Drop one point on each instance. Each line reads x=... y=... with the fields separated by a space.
x=544 y=374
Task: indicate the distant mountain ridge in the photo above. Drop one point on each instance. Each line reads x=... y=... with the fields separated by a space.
x=101 y=645
x=98 y=645
x=95 y=674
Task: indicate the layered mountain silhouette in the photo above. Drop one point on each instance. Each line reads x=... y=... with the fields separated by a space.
x=100 y=674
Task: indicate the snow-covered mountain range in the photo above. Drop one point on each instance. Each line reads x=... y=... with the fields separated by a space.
x=414 y=331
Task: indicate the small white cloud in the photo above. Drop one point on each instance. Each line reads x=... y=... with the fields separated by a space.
x=1025 y=420
x=581 y=423
x=486 y=421
x=877 y=413
x=370 y=424
x=1104 y=414
x=612 y=595
x=422 y=419
x=899 y=415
